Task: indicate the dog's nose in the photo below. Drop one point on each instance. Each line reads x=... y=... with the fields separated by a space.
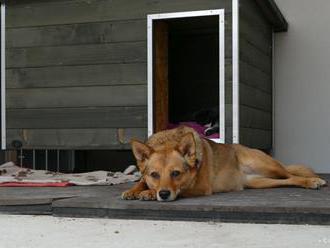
x=164 y=194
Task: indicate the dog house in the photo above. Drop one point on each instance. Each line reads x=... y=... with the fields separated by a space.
x=214 y=59
x=91 y=75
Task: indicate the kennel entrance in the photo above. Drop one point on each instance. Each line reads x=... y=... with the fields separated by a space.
x=186 y=82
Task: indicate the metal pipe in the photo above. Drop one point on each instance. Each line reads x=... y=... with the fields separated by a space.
x=3 y=75
x=58 y=161
x=46 y=159
x=34 y=159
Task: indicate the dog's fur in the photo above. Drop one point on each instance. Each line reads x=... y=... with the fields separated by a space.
x=178 y=162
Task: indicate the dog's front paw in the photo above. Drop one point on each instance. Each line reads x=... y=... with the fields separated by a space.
x=315 y=183
x=130 y=195
x=148 y=195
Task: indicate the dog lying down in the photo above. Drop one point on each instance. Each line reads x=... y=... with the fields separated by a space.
x=178 y=162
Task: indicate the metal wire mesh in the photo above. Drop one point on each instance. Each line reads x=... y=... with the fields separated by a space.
x=47 y=159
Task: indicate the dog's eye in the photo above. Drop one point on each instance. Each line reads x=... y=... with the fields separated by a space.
x=154 y=175
x=175 y=173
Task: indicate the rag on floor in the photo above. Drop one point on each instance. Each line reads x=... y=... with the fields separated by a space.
x=12 y=175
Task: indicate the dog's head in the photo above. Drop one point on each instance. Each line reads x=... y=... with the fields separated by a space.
x=168 y=171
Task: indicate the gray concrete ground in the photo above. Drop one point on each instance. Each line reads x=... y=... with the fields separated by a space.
x=47 y=231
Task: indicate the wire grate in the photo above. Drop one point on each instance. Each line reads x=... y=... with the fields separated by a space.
x=47 y=159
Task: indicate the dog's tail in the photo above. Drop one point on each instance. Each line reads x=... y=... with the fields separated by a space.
x=300 y=170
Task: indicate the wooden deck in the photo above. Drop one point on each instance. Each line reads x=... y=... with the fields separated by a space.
x=281 y=205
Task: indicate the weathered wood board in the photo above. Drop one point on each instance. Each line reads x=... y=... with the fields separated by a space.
x=85 y=75
x=89 y=117
x=66 y=97
x=80 y=11
x=256 y=110
x=106 y=138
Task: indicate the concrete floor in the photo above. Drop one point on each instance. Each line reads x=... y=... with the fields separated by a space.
x=47 y=231
x=267 y=206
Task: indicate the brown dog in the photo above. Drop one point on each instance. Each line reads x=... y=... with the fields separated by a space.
x=178 y=162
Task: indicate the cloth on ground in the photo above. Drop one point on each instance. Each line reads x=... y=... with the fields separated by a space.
x=13 y=175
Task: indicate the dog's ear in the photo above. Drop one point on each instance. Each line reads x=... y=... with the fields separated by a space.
x=187 y=148
x=141 y=152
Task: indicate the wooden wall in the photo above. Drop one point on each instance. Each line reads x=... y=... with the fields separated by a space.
x=76 y=70
x=255 y=77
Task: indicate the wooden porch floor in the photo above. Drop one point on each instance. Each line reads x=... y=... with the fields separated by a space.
x=280 y=205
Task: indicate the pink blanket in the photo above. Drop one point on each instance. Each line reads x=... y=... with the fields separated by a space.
x=197 y=127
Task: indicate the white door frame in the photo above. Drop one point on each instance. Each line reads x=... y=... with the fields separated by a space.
x=214 y=12
x=235 y=65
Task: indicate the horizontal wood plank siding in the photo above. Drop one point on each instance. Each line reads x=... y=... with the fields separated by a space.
x=256 y=37
x=77 y=72
x=73 y=34
x=36 y=13
x=103 y=96
x=251 y=118
x=251 y=55
x=91 y=117
x=251 y=97
x=86 y=75
x=255 y=77
x=130 y=52
x=99 y=53
x=103 y=138
x=256 y=138
x=83 y=33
